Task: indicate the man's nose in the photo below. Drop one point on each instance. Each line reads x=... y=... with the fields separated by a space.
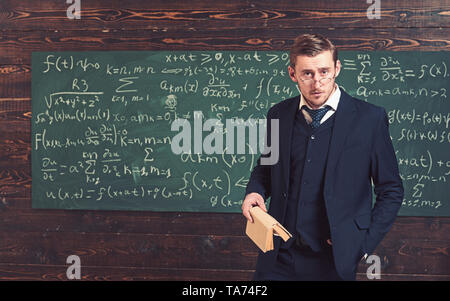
x=317 y=79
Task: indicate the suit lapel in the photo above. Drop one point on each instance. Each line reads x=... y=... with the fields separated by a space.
x=345 y=115
x=287 y=119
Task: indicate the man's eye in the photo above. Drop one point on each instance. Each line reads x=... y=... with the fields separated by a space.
x=325 y=72
x=308 y=74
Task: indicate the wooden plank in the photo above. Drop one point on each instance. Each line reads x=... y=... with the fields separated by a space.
x=16 y=47
x=15 y=58
x=129 y=250
x=18 y=216
x=37 y=272
x=195 y=15
x=15 y=81
x=15 y=154
x=34 y=272
x=404 y=277
x=143 y=222
x=15 y=109
x=193 y=251
x=412 y=256
x=15 y=180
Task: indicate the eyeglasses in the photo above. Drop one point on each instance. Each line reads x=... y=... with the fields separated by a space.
x=322 y=81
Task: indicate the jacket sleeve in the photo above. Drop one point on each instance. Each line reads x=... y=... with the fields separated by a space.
x=260 y=177
x=388 y=185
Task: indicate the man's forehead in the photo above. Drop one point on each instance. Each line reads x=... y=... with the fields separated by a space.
x=321 y=60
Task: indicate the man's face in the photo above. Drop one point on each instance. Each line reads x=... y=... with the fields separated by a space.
x=315 y=77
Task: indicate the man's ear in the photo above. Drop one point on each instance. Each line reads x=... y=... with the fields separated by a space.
x=291 y=72
x=338 y=67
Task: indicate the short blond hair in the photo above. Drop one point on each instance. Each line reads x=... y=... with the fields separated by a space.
x=311 y=45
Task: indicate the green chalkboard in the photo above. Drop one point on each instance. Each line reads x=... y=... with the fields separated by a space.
x=104 y=125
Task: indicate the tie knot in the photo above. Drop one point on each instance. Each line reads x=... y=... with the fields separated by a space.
x=316 y=115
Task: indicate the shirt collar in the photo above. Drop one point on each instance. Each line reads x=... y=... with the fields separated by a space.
x=332 y=101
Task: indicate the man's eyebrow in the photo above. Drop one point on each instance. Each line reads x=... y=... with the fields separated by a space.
x=320 y=69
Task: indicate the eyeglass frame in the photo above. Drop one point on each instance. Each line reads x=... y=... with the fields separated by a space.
x=314 y=81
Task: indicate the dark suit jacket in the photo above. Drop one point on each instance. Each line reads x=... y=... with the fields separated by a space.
x=360 y=152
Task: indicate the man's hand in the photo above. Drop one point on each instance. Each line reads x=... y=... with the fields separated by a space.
x=251 y=200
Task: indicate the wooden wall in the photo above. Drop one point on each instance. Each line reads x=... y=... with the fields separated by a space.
x=115 y=245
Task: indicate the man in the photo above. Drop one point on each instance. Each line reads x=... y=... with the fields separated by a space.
x=331 y=149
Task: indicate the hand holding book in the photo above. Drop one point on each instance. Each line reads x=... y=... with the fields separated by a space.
x=251 y=200
x=263 y=228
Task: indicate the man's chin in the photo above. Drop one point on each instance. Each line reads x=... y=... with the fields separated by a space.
x=317 y=100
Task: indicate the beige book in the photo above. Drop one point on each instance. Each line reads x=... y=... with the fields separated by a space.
x=263 y=228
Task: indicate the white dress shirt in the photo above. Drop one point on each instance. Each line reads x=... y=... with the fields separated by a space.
x=332 y=101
